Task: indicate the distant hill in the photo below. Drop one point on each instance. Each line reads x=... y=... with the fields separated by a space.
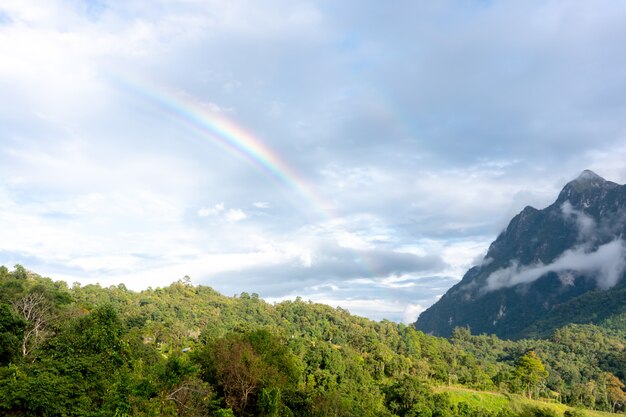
x=549 y=268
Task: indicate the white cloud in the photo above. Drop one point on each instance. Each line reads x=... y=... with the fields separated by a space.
x=375 y=308
x=235 y=215
x=412 y=312
x=458 y=254
x=606 y=264
x=261 y=205
x=199 y=266
x=586 y=224
x=210 y=211
x=204 y=212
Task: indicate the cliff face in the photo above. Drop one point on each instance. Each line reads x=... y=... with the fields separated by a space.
x=541 y=265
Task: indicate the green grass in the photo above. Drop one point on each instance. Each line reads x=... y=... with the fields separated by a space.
x=495 y=401
x=489 y=400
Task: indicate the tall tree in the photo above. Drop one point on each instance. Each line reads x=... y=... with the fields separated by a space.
x=530 y=371
x=615 y=390
x=34 y=308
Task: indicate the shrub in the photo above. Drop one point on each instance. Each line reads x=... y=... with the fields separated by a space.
x=574 y=413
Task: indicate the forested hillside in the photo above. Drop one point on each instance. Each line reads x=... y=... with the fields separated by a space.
x=186 y=350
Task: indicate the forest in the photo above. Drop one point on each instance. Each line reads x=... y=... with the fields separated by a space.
x=186 y=350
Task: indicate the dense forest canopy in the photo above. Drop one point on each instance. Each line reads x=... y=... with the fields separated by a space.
x=186 y=350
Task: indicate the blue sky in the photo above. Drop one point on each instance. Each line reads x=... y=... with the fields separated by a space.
x=420 y=127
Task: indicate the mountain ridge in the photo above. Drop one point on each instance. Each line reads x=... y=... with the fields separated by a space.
x=544 y=259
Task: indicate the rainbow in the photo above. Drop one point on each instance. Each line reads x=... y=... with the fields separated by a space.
x=225 y=133
x=233 y=138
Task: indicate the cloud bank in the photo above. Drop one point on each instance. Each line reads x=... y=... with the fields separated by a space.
x=606 y=262
x=585 y=223
x=606 y=265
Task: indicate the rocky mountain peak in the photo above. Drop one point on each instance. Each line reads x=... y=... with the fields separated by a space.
x=541 y=264
x=586 y=187
x=588 y=176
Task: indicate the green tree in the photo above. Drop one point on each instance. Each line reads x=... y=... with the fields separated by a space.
x=530 y=371
x=35 y=309
x=615 y=390
x=269 y=402
x=246 y=365
x=406 y=392
x=11 y=331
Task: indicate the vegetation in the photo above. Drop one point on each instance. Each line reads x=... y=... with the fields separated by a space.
x=530 y=371
x=188 y=351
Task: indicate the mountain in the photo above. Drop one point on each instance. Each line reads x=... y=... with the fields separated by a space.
x=563 y=264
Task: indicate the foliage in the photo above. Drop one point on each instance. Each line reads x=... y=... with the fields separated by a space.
x=186 y=350
x=530 y=371
x=614 y=390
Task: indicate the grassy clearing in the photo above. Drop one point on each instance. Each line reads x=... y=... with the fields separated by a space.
x=488 y=400
x=495 y=401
